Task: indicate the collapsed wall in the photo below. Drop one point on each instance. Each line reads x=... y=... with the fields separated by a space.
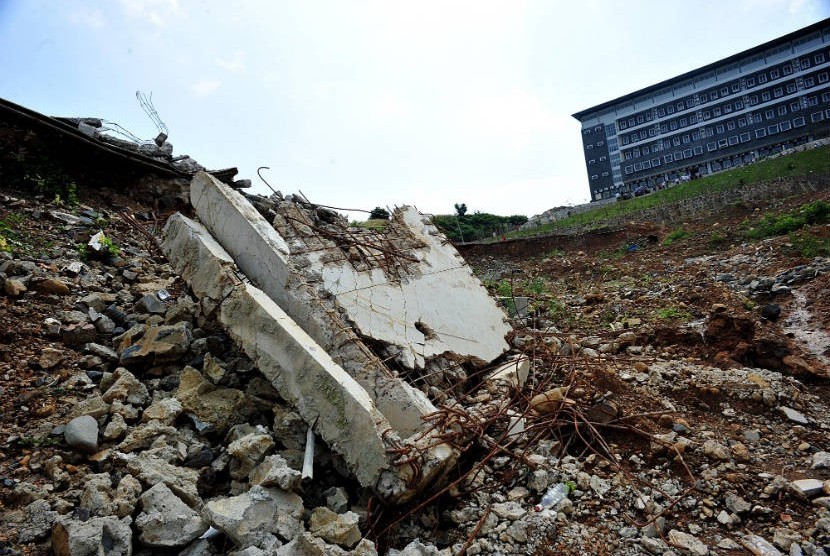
x=319 y=294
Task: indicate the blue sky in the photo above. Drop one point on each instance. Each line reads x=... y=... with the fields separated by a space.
x=374 y=103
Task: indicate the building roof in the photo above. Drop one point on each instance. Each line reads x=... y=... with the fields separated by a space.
x=704 y=69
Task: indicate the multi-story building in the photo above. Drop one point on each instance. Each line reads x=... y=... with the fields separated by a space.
x=728 y=113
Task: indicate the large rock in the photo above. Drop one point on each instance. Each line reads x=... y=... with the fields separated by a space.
x=274 y=471
x=335 y=528
x=166 y=521
x=95 y=537
x=247 y=452
x=256 y=516
x=82 y=434
x=221 y=408
x=687 y=544
x=152 y=470
x=37 y=521
x=126 y=388
x=144 y=435
x=152 y=345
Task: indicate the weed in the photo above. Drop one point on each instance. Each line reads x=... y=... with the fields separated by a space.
x=717 y=237
x=537 y=286
x=504 y=289
x=556 y=253
x=817 y=212
x=37 y=441
x=83 y=251
x=676 y=235
x=672 y=313
x=809 y=245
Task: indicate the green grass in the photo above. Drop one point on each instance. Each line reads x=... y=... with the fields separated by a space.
x=676 y=235
x=671 y=313
x=817 y=212
x=814 y=161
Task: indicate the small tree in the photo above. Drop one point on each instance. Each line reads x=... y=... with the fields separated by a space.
x=461 y=209
x=379 y=213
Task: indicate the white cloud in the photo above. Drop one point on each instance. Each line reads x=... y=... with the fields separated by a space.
x=205 y=87
x=156 y=12
x=93 y=19
x=235 y=64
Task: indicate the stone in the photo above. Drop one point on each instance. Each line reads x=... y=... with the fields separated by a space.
x=151 y=470
x=247 y=452
x=154 y=345
x=38 y=519
x=794 y=415
x=771 y=311
x=820 y=460
x=759 y=546
x=335 y=528
x=164 y=411
x=416 y=548
x=251 y=517
x=50 y=358
x=166 y=521
x=81 y=433
x=77 y=334
x=126 y=388
x=688 y=544
x=514 y=373
x=509 y=510
x=53 y=286
x=274 y=471
x=150 y=303
x=807 y=488
x=73 y=537
x=220 y=408
x=126 y=495
x=736 y=504
x=337 y=500
x=145 y=435
x=94 y=406
x=105 y=353
x=13 y=287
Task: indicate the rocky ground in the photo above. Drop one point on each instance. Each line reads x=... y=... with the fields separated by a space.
x=678 y=392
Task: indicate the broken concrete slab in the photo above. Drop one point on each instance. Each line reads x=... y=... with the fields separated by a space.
x=262 y=255
x=340 y=409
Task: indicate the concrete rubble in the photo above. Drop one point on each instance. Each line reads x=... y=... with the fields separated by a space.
x=310 y=311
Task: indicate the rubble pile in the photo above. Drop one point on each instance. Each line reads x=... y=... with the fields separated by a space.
x=263 y=379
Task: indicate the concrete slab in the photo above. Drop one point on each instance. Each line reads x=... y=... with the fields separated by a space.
x=341 y=410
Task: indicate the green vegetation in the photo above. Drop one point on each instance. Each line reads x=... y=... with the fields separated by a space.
x=379 y=213
x=676 y=235
x=810 y=245
x=814 y=161
x=110 y=248
x=672 y=313
x=717 y=237
x=480 y=225
x=42 y=174
x=817 y=212
x=8 y=235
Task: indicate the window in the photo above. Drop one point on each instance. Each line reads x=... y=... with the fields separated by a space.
x=746 y=137
x=686 y=139
x=742 y=122
x=722 y=143
x=670 y=109
x=586 y=131
x=655 y=162
x=825 y=97
x=646 y=150
x=769 y=114
x=625 y=140
x=592 y=161
x=643 y=134
x=736 y=87
x=795 y=106
x=698 y=150
x=750 y=81
x=773 y=129
x=816 y=117
x=719 y=128
x=753 y=100
x=787 y=69
x=724 y=91
x=805 y=63
x=664 y=128
x=667 y=158
x=762 y=78
x=782 y=110
x=648 y=116
x=672 y=125
x=652 y=132
x=684 y=122
x=760 y=132
x=678 y=156
x=631 y=122
x=765 y=96
x=791 y=88
x=819 y=58
x=603 y=158
x=628 y=155
x=661 y=112
x=706 y=114
x=680 y=105
x=594 y=177
x=711 y=146
x=646 y=165
x=778 y=92
x=605 y=174
x=695 y=136
x=756 y=117
x=739 y=105
x=713 y=95
x=638 y=166
x=687 y=153
x=823 y=77
x=710 y=132
x=773 y=74
x=812 y=101
x=640 y=119
x=600 y=143
x=733 y=140
x=809 y=82
x=727 y=108
x=799 y=121
x=716 y=111
x=675 y=141
x=785 y=125
x=730 y=125
x=622 y=124
x=589 y=147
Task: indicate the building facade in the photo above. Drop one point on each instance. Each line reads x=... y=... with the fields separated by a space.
x=725 y=114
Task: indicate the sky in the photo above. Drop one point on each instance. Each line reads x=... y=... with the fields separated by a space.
x=365 y=103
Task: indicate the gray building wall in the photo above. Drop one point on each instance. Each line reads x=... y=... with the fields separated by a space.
x=734 y=111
